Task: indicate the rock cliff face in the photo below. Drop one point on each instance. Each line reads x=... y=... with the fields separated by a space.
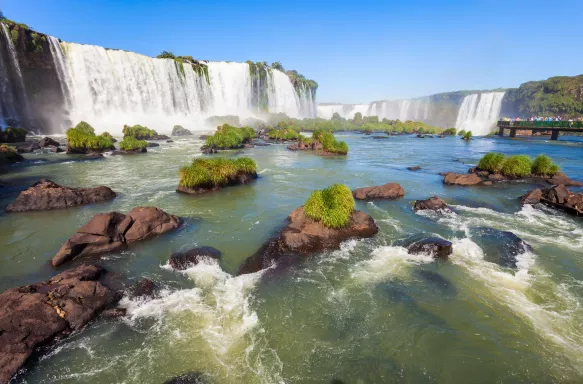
x=40 y=107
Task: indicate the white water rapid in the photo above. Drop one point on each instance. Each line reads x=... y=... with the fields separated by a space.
x=479 y=111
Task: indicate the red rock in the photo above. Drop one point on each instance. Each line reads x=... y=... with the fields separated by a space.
x=459 y=179
x=387 y=191
x=433 y=203
x=531 y=197
x=560 y=178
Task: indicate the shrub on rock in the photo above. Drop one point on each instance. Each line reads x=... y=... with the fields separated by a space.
x=229 y=137
x=517 y=166
x=331 y=206
x=139 y=132
x=13 y=135
x=544 y=166
x=212 y=174
x=9 y=155
x=330 y=143
x=492 y=161
x=131 y=143
x=82 y=139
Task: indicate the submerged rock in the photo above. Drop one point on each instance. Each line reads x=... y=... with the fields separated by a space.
x=114 y=231
x=130 y=152
x=144 y=288
x=304 y=236
x=531 y=197
x=152 y=145
x=437 y=247
x=159 y=137
x=433 y=203
x=36 y=315
x=45 y=195
x=462 y=179
x=387 y=191
x=47 y=142
x=500 y=247
x=189 y=378
x=183 y=260
x=179 y=130
x=415 y=168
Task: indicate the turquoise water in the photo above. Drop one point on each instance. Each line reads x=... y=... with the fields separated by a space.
x=368 y=313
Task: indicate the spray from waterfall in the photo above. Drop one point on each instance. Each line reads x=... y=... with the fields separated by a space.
x=479 y=112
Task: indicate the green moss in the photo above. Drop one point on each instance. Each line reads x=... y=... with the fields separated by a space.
x=9 y=155
x=229 y=137
x=544 y=166
x=330 y=143
x=166 y=55
x=492 y=161
x=209 y=173
x=15 y=34
x=517 y=166
x=13 y=135
x=287 y=134
x=107 y=134
x=139 y=132
x=331 y=206
x=130 y=143
x=83 y=137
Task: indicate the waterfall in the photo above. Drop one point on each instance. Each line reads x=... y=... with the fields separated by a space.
x=7 y=90
x=61 y=69
x=282 y=96
x=479 y=111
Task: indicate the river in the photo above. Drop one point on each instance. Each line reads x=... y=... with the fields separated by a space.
x=367 y=313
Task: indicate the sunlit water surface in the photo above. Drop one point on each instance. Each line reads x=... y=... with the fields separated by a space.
x=368 y=313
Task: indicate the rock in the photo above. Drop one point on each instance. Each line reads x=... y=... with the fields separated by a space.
x=93 y=155
x=208 y=150
x=433 y=203
x=459 y=179
x=159 y=137
x=560 y=178
x=496 y=177
x=188 y=378
x=45 y=194
x=415 y=168
x=170 y=141
x=131 y=152
x=183 y=260
x=304 y=236
x=180 y=131
x=239 y=178
x=435 y=246
x=500 y=247
x=558 y=194
x=47 y=141
x=301 y=146
x=203 y=137
x=487 y=183
x=247 y=146
x=114 y=313
x=152 y=145
x=8 y=155
x=28 y=148
x=531 y=197
x=380 y=137
x=36 y=315
x=387 y=191
x=114 y=231
x=87 y=151
x=56 y=149
x=144 y=288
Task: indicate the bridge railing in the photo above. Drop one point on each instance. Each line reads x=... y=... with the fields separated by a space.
x=540 y=124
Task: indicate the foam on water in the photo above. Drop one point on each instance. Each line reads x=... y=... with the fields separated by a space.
x=387 y=262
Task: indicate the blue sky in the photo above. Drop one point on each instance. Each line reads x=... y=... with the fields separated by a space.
x=356 y=51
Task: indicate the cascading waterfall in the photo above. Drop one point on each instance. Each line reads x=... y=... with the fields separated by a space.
x=9 y=99
x=479 y=111
x=61 y=69
x=110 y=88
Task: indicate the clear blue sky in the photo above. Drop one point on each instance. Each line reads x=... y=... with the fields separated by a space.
x=357 y=51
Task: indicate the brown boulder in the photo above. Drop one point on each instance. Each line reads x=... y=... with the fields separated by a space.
x=433 y=204
x=144 y=288
x=459 y=179
x=183 y=260
x=34 y=315
x=45 y=194
x=304 y=236
x=496 y=177
x=47 y=142
x=113 y=231
x=531 y=197
x=437 y=247
x=558 y=194
x=560 y=178
x=387 y=191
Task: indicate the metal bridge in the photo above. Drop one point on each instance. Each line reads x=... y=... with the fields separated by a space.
x=540 y=126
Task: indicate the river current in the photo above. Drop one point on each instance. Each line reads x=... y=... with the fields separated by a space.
x=367 y=313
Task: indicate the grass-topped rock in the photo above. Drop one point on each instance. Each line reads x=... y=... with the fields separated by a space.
x=82 y=139
x=179 y=130
x=229 y=137
x=9 y=155
x=131 y=145
x=326 y=220
x=142 y=133
x=13 y=135
x=321 y=141
x=205 y=175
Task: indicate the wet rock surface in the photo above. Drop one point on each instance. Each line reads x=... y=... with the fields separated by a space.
x=114 y=231
x=500 y=247
x=183 y=260
x=434 y=203
x=46 y=194
x=389 y=191
x=35 y=315
x=304 y=236
x=437 y=247
x=462 y=179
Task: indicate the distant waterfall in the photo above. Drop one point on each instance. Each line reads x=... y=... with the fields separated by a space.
x=408 y=109
x=346 y=111
x=10 y=73
x=61 y=69
x=479 y=111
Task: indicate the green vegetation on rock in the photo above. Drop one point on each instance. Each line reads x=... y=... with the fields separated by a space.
x=331 y=206
x=286 y=134
x=330 y=143
x=544 y=166
x=130 y=143
x=9 y=155
x=83 y=137
x=229 y=137
x=450 y=131
x=492 y=161
x=468 y=135
x=462 y=133
x=139 y=132
x=13 y=135
x=209 y=173
x=517 y=166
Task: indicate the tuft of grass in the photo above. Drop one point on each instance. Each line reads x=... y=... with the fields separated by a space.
x=107 y=134
x=330 y=143
x=492 y=161
x=544 y=166
x=229 y=137
x=517 y=166
x=450 y=131
x=130 y=143
x=218 y=172
x=82 y=136
x=331 y=206
x=462 y=132
x=139 y=132
x=287 y=134
x=468 y=135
